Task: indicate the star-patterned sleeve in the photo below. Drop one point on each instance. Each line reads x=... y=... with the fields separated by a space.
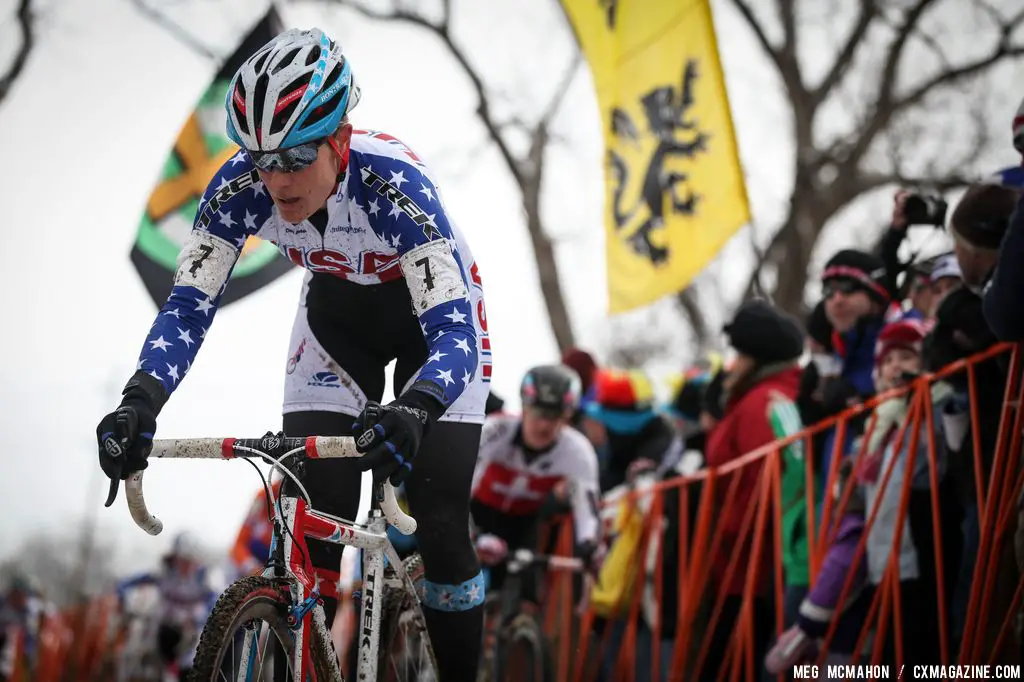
x=233 y=207
x=406 y=211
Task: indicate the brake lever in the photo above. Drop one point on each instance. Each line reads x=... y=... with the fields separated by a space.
x=122 y=427
x=115 y=484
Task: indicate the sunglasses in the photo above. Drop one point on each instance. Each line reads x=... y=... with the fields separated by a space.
x=550 y=413
x=288 y=160
x=839 y=286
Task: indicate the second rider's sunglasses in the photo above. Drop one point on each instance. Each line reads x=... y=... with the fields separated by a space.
x=287 y=160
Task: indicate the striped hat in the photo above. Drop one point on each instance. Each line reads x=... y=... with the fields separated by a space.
x=865 y=270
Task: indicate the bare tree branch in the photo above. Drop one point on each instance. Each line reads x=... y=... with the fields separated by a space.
x=527 y=172
x=788 y=14
x=868 y=11
x=176 y=30
x=888 y=104
x=688 y=301
x=952 y=75
x=942 y=183
x=563 y=87
x=748 y=14
x=515 y=121
x=26 y=25
x=896 y=48
x=443 y=31
x=757 y=287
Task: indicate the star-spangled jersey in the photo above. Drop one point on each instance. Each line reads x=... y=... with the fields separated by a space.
x=186 y=598
x=506 y=481
x=386 y=220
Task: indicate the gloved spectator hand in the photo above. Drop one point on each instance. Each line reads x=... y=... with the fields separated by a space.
x=793 y=648
x=899 y=220
x=593 y=553
x=638 y=467
x=838 y=395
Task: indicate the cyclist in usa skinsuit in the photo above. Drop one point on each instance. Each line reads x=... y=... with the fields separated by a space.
x=389 y=277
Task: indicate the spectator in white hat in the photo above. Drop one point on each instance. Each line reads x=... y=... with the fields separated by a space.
x=944 y=277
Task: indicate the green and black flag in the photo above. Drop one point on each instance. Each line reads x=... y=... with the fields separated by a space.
x=201 y=148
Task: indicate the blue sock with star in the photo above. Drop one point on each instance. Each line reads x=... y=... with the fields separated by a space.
x=454 y=615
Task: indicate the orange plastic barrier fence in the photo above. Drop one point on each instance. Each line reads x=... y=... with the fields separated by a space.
x=996 y=588
x=80 y=643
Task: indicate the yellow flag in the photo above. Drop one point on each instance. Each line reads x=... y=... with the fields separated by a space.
x=675 y=190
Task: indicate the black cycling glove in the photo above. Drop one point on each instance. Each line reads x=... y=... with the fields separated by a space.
x=125 y=436
x=390 y=435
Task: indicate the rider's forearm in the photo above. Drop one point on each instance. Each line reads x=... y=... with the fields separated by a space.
x=451 y=361
x=204 y=267
x=176 y=335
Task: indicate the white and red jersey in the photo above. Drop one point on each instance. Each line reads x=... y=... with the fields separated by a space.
x=509 y=481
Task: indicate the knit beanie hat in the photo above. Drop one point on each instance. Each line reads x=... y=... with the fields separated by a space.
x=764 y=333
x=863 y=269
x=907 y=333
x=583 y=363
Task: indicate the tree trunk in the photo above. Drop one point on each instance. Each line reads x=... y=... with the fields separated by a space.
x=792 y=250
x=547 y=269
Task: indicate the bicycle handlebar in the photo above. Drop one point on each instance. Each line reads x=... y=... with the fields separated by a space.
x=522 y=558
x=275 y=447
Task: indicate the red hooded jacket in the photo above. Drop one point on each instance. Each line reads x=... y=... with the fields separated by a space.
x=745 y=427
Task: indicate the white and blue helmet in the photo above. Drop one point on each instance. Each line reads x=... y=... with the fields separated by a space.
x=293 y=90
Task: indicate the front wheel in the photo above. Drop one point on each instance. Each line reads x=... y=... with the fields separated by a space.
x=405 y=653
x=522 y=653
x=248 y=631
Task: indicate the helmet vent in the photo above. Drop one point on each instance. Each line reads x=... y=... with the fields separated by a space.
x=285 y=61
x=261 y=61
x=325 y=109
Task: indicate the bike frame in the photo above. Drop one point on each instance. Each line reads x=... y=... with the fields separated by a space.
x=303 y=523
x=295 y=521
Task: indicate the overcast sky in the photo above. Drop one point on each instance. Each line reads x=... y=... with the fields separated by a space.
x=85 y=132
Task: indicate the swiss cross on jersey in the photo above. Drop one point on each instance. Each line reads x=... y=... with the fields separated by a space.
x=513 y=490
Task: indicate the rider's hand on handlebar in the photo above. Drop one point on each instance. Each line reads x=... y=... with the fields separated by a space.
x=491 y=549
x=389 y=435
x=125 y=436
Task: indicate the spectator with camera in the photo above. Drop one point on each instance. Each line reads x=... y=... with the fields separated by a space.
x=910 y=209
x=856 y=292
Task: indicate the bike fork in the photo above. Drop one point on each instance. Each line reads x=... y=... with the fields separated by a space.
x=368 y=627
